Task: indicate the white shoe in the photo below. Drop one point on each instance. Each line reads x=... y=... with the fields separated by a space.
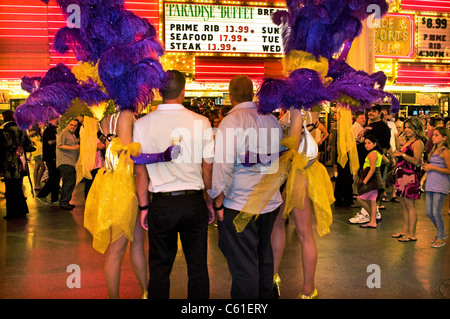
x=378 y=216
x=361 y=217
x=43 y=200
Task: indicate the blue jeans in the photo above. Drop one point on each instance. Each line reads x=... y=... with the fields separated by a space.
x=434 y=203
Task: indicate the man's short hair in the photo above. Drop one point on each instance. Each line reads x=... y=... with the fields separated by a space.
x=8 y=116
x=376 y=107
x=241 y=88
x=174 y=86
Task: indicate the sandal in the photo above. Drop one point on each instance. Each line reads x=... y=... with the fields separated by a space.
x=367 y=226
x=438 y=243
x=384 y=199
x=406 y=239
x=395 y=200
x=397 y=235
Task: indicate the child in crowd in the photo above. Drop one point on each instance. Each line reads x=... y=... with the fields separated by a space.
x=370 y=180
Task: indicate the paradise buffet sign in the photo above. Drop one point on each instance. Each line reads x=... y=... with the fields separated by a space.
x=221 y=28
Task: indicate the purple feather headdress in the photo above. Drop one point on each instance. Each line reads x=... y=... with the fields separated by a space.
x=124 y=45
x=322 y=28
x=52 y=95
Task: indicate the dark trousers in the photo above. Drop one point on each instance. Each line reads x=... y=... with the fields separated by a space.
x=52 y=185
x=88 y=182
x=169 y=216
x=69 y=179
x=16 y=204
x=249 y=255
x=343 y=189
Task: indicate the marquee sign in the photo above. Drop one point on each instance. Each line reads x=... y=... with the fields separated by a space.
x=221 y=28
x=394 y=36
x=433 y=37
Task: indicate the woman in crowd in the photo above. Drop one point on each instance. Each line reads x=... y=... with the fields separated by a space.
x=407 y=186
x=438 y=182
x=39 y=166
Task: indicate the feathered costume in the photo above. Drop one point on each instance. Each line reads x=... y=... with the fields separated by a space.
x=313 y=32
x=118 y=70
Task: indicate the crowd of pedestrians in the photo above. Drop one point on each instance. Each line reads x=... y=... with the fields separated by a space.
x=183 y=196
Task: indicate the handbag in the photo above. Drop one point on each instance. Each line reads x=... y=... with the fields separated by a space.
x=308 y=146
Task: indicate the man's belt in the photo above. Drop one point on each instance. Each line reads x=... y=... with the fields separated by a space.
x=178 y=193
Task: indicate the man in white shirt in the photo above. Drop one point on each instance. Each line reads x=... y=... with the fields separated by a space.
x=358 y=126
x=249 y=253
x=178 y=204
x=388 y=120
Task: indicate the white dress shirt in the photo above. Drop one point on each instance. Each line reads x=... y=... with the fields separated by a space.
x=242 y=130
x=158 y=130
x=357 y=128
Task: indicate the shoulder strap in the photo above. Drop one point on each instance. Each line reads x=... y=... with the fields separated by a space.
x=442 y=149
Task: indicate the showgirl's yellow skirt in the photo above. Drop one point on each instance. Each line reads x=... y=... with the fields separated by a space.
x=111 y=206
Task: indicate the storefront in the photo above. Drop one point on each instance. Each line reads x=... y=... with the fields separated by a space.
x=412 y=47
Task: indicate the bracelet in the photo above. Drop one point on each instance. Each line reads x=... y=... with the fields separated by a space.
x=141 y=208
x=218 y=208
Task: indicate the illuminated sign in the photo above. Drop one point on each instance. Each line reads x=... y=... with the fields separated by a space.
x=221 y=28
x=394 y=37
x=433 y=37
x=426 y=5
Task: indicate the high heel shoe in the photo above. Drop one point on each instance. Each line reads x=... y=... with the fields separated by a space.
x=313 y=295
x=276 y=286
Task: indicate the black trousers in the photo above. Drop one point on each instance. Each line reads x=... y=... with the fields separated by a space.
x=343 y=189
x=16 y=204
x=88 y=182
x=52 y=185
x=69 y=179
x=249 y=255
x=169 y=216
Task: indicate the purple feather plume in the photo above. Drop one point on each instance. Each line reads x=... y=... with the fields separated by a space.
x=30 y=84
x=322 y=27
x=395 y=103
x=305 y=90
x=125 y=46
x=270 y=95
x=53 y=95
x=360 y=88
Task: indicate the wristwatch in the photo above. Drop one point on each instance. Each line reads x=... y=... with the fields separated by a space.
x=141 y=208
x=218 y=208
